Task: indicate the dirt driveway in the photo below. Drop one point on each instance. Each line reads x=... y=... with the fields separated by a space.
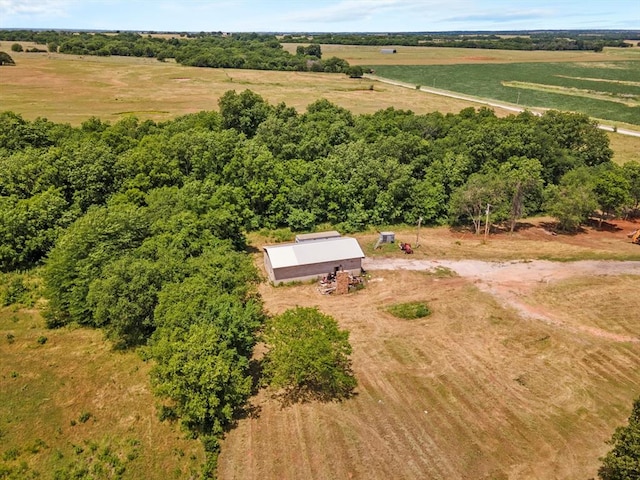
x=508 y=282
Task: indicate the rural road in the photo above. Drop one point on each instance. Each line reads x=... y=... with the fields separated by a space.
x=491 y=103
x=509 y=282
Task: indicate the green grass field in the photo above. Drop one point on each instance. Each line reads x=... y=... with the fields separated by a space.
x=603 y=90
x=71 y=407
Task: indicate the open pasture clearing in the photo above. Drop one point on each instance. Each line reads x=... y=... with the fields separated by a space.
x=511 y=376
x=474 y=391
x=70 y=89
x=371 y=55
x=625 y=148
x=592 y=88
x=71 y=402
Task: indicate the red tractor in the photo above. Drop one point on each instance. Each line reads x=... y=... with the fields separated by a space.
x=406 y=248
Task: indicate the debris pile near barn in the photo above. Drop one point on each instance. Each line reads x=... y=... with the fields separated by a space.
x=339 y=283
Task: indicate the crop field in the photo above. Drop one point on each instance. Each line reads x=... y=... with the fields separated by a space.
x=603 y=90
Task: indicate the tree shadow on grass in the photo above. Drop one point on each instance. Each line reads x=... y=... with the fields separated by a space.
x=554 y=229
x=291 y=396
x=605 y=226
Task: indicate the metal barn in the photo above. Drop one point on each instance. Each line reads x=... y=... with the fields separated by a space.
x=314 y=237
x=312 y=259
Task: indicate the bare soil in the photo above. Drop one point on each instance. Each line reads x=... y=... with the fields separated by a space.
x=523 y=370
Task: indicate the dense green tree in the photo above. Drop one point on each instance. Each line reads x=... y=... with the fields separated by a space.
x=570 y=204
x=5 y=59
x=308 y=355
x=631 y=171
x=479 y=193
x=205 y=380
x=244 y=112
x=124 y=297
x=622 y=462
x=355 y=71
x=612 y=191
x=29 y=227
x=522 y=177
x=81 y=253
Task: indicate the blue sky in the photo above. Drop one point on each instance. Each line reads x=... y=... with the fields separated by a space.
x=320 y=15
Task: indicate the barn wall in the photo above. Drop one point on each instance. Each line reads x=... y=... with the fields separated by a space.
x=315 y=270
x=267 y=266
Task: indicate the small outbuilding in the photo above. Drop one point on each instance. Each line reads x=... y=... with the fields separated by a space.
x=314 y=237
x=308 y=260
x=387 y=237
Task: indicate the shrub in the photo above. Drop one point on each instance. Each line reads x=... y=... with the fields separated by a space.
x=410 y=310
x=623 y=460
x=42 y=340
x=308 y=356
x=84 y=417
x=11 y=454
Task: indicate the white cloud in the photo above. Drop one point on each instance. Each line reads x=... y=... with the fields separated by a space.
x=345 y=11
x=33 y=7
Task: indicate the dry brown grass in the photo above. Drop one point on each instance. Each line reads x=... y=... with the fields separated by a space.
x=535 y=238
x=477 y=390
x=70 y=89
x=472 y=392
x=368 y=55
x=606 y=302
x=625 y=148
x=45 y=388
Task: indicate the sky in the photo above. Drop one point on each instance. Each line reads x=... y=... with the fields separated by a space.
x=320 y=15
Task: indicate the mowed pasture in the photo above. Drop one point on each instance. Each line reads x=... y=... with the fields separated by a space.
x=477 y=390
x=473 y=391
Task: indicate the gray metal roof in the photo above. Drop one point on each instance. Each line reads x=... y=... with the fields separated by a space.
x=307 y=253
x=306 y=237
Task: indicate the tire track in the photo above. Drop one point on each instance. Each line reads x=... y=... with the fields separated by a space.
x=506 y=280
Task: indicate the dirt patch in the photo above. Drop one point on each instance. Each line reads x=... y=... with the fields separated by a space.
x=480 y=59
x=508 y=282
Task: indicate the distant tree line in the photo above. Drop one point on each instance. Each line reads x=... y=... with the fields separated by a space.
x=214 y=50
x=565 y=40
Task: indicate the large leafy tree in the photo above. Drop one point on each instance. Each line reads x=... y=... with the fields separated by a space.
x=612 y=191
x=243 y=112
x=623 y=460
x=5 y=59
x=80 y=255
x=480 y=193
x=522 y=177
x=631 y=171
x=308 y=355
